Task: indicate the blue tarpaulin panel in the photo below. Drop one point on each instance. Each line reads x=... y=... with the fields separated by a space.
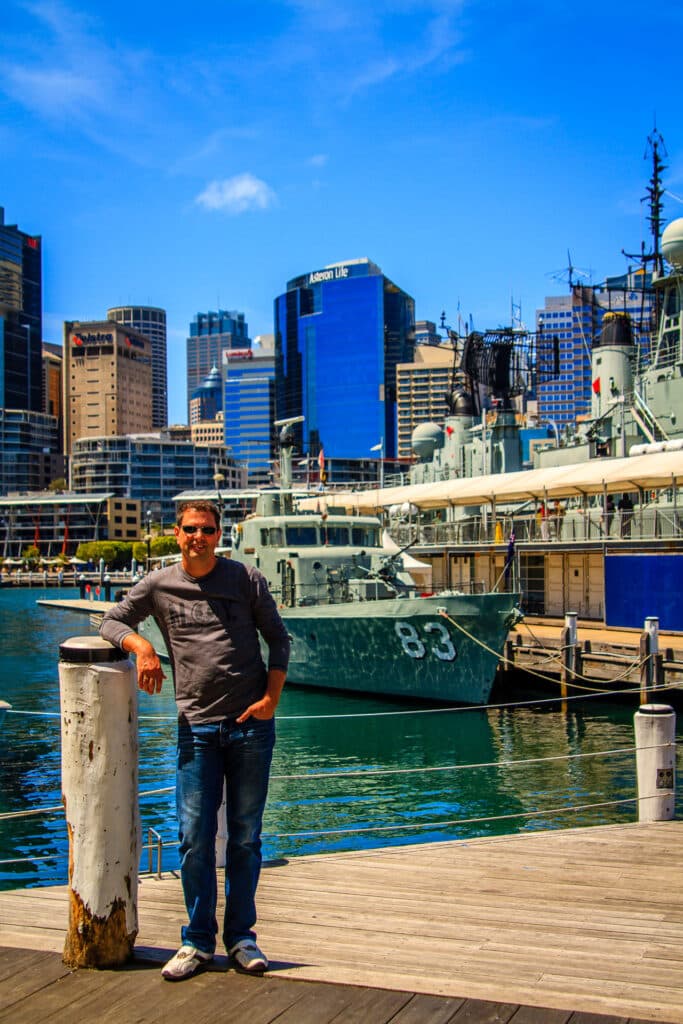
x=637 y=586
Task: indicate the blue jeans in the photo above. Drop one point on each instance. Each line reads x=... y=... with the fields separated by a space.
x=208 y=754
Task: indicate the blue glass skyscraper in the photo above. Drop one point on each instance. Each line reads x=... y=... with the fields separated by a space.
x=248 y=409
x=339 y=334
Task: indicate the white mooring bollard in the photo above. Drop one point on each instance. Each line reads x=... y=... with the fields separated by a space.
x=98 y=691
x=655 y=729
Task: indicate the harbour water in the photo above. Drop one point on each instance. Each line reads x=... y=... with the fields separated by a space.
x=349 y=771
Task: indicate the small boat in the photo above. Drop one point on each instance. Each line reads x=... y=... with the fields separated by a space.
x=4 y=708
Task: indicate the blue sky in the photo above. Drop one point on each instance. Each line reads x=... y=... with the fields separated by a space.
x=200 y=157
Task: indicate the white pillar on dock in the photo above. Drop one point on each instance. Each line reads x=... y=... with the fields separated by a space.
x=651 y=626
x=649 y=651
x=98 y=691
x=570 y=625
x=655 y=729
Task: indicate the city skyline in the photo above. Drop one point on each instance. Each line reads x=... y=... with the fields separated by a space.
x=201 y=162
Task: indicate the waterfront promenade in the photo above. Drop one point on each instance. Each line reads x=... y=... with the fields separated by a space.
x=539 y=928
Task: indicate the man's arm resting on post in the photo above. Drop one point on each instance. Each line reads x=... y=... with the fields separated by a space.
x=150 y=673
x=265 y=708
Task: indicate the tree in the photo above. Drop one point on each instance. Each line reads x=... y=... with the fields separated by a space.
x=31 y=556
x=117 y=554
x=159 y=547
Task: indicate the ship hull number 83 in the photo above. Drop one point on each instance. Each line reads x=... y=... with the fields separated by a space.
x=437 y=640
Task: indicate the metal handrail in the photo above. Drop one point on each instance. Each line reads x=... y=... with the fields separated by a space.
x=153 y=834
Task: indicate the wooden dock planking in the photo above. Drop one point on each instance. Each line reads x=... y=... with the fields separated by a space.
x=585 y=920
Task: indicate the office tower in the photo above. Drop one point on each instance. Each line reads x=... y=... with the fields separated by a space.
x=21 y=325
x=568 y=324
x=423 y=388
x=210 y=334
x=206 y=400
x=340 y=333
x=107 y=381
x=426 y=333
x=150 y=321
x=248 y=407
x=52 y=379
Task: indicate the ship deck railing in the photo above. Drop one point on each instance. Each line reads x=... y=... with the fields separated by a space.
x=310 y=595
x=644 y=524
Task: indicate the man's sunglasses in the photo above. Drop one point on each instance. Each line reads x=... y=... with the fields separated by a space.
x=208 y=531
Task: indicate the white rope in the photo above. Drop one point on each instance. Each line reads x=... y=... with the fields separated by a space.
x=450 y=709
x=30 y=860
x=411 y=827
x=367 y=772
x=459 y=767
x=550 y=656
x=455 y=821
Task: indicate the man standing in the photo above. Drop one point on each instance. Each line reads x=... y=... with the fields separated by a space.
x=210 y=612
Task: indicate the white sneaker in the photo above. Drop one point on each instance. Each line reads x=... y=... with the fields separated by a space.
x=184 y=963
x=248 y=957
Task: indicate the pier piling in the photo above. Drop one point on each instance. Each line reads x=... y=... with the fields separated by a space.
x=655 y=729
x=570 y=655
x=651 y=669
x=98 y=695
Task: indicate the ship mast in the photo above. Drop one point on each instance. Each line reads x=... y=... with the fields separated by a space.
x=655 y=191
x=653 y=196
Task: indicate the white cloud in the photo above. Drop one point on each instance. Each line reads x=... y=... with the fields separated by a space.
x=237 y=194
x=53 y=91
x=318 y=160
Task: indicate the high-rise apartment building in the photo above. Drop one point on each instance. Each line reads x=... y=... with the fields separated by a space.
x=423 y=387
x=210 y=334
x=30 y=451
x=150 y=321
x=571 y=322
x=340 y=333
x=107 y=381
x=21 y=324
x=151 y=468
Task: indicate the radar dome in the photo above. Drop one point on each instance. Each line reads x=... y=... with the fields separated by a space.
x=426 y=438
x=672 y=243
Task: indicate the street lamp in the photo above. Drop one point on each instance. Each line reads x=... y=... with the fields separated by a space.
x=218 y=479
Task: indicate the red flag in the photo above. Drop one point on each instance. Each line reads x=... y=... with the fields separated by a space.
x=77 y=340
x=596 y=385
x=321 y=460
x=449 y=430
x=65 y=542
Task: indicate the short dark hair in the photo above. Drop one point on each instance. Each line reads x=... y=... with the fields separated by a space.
x=198 y=506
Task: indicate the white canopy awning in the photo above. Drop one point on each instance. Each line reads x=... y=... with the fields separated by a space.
x=651 y=471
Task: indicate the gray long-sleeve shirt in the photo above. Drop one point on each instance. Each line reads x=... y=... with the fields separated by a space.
x=211 y=627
